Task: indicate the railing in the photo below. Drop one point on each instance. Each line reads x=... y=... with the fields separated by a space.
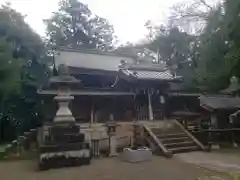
x=103 y=144
x=190 y=135
x=157 y=142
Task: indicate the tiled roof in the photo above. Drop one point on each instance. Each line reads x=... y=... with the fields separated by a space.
x=185 y=113
x=162 y=75
x=108 y=62
x=220 y=102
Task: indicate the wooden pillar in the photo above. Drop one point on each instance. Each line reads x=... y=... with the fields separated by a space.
x=92 y=112
x=214 y=122
x=150 y=110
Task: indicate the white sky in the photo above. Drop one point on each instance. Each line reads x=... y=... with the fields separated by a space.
x=127 y=16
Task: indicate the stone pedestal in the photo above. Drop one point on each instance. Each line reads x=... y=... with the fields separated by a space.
x=113 y=146
x=63 y=114
x=66 y=147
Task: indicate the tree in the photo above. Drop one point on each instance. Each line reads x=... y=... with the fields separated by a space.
x=9 y=70
x=190 y=16
x=232 y=20
x=214 y=48
x=22 y=70
x=219 y=48
x=74 y=25
x=175 y=49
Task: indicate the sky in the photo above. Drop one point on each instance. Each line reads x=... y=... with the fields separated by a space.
x=127 y=16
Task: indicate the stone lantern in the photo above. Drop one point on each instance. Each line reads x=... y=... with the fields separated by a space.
x=63 y=98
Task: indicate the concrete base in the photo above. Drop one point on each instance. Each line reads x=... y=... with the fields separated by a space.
x=113 y=154
x=134 y=156
x=235 y=145
x=215 y=147
x=64 y=118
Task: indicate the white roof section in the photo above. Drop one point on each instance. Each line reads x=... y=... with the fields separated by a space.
x=95 y=60
x=90 y=60
x=147 y=75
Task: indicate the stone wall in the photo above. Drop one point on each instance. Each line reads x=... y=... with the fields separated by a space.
x=124 y=133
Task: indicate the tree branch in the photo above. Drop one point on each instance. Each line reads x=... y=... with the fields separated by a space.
x=205 y=4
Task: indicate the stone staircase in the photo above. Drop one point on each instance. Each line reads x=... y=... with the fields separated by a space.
x=193 y=125
x=22 y=145
x=171 y=137
x=176 y=142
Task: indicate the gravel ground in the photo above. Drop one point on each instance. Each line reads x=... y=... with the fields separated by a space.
x=107 y=169
x=222 y=162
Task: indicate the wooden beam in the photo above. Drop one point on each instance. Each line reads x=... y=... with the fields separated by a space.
x=150 y=110
x=88 y=93
x=92 y=113
x=190 y=135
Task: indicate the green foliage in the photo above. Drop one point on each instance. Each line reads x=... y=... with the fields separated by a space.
x=175 y=48
x=9 y=70
x=219 y=48
x=209 y=58
x=213 y=48
x=74 y=25
x=22 y=70
x=25 y=41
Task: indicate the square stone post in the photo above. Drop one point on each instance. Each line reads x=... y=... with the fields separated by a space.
x=111 y=130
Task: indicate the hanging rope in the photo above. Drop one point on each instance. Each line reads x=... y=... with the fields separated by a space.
x=115 y=82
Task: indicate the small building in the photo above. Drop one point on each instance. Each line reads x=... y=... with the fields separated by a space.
x=219 y=108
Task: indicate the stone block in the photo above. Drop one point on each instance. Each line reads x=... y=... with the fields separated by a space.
x=135 y=156
x=68 y=138
x=21 y=140
x=56 y=156
x=70 y=129
x=27 y=142
x=9 y=149
x=63 y=147
x=15 y=146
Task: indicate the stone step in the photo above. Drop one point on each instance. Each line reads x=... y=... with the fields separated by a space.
x=192 y=127
x=158 y=131
x=174 y=139
x=171 y=135
x=183 y=149
x=179 y=144
x=192 y=124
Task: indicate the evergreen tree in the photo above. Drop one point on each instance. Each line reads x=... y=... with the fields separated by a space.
x=74 y=25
